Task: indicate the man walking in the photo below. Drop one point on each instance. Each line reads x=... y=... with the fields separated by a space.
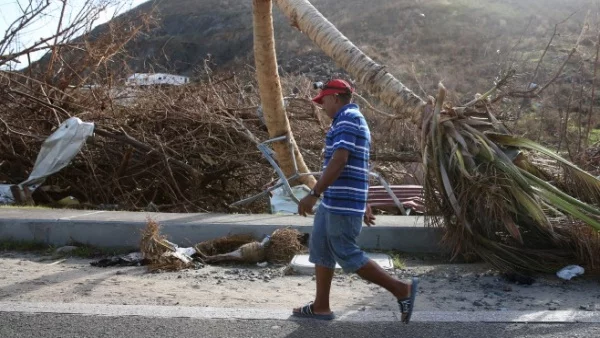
x=338 y=220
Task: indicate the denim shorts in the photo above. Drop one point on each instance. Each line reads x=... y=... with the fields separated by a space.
x=333 y=240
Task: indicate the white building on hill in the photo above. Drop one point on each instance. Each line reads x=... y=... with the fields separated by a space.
x=148 y=79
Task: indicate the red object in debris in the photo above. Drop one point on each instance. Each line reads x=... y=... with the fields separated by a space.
x=411 y=197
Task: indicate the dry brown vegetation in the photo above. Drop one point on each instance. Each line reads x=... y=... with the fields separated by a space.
x=192 y=148
x=185 y=149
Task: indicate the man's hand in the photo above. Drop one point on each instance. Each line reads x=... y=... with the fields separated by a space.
x=369 y=218
x=306 y=205
x=330 y=174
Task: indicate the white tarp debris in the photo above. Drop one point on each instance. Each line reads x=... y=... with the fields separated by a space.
x=282 y=203
x=570 y=271
x=179 y=255
x=56 y=153
x=183 y=254
x=186 y=251
x=59 y=149
x=6 y=196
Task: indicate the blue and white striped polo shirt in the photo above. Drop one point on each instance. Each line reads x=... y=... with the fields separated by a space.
x=348 y=194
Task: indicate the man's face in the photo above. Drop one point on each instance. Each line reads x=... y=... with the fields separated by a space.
x=330 y=105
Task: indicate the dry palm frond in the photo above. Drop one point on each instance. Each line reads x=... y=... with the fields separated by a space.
x=159 y=252
x=494 y=202
x=153 y=245
x=284 y=245
x=168 y=263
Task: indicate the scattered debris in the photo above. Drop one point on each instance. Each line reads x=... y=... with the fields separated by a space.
x=223 y=245
x=278 y=248
x=161 y=255
x=518 y=278
x=6 y=196
x=253 y=252
x=66 y=249
x=570 y=271
x=283 y=203
x=287 y=271
x=68 y=201
x=131 y=259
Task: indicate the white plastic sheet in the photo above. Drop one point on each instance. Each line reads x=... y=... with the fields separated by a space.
x=179 y=255
x=186 y=251
x=6 y=196
x=59 y=149
x=570 y=271
x=56 y=153
x=282 y=203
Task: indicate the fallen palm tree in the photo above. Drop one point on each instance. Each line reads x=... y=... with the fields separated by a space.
x=250 y=253
x=482 y=184
x=162 y=255
x=223 y=245
x=279 y=248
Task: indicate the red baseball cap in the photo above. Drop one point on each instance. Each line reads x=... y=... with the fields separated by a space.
x=336 y=86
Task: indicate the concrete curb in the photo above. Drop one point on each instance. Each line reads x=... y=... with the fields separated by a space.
x=123 y=229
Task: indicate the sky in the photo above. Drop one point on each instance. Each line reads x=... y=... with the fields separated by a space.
x=10 y=11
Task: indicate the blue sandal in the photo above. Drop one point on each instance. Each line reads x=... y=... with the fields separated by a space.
x=408 y=304
x=307 y=312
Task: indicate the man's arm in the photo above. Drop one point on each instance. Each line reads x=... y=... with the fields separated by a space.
x=332 y=172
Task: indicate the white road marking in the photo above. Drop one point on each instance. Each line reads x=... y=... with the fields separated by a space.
x=563 y=316
x=82 y=215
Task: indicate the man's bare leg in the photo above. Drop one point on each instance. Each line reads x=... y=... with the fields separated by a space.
x=375 y=274
x=323 y=277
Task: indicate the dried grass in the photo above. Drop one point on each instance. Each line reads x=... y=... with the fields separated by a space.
x=153 y=244
x=156 y=250
x=168 y=263
x=284 y=245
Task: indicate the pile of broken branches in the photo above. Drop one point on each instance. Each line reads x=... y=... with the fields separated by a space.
x=177 y=149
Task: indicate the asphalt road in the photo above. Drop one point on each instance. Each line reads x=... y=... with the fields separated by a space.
x=50 y=325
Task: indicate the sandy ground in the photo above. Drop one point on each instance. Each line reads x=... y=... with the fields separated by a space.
x=444 y=287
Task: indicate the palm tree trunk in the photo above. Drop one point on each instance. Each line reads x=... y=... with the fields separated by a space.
x=270 y=91
x=373 y=76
